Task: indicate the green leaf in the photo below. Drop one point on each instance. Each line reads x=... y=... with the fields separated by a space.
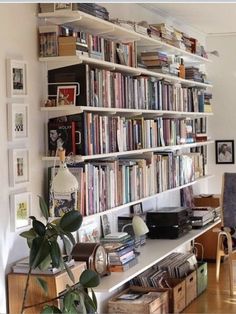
x=89 y=278
x=55 y=253
x=43 y=207
x=89 y=303
x=46 y=263
x=70 y=237
x=69 y=272
x=71 y=221
x=50 y=309
x=94 y=299
x=82 y=304
x=69 y=302
x=39 y=251
x=67 y=244
x=30 y=234
x=43 y=284
x=39 y=227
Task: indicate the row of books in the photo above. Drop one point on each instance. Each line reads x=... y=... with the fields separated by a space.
x=104 y=88
x=120 y=251
x=105 y=184
x=109 y=134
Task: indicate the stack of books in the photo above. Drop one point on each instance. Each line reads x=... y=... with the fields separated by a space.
x=193 y=73
x=120 y=251
x=22 y=267
x=155 y=60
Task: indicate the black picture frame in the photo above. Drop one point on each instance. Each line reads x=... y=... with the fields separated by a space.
x=136 y=209
x=224 y=150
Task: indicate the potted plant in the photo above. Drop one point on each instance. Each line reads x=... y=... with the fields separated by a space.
x=44 y=249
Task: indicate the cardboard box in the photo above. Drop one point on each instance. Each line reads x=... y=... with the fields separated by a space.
x=212 y=201
x=201 y=277
x=67 y=46
x=191 y=287
x=139 y=300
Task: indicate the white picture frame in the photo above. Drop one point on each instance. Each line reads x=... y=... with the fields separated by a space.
x=20 y=208
x=18 y=166
x=16 y=78
x=66 y=95
x=18 y=121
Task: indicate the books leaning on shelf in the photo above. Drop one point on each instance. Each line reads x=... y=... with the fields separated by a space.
x=22 y=267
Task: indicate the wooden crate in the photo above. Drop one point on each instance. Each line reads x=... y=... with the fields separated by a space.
x=148 y=301
x=201 y=277
x=191 y=287
x=213 y=201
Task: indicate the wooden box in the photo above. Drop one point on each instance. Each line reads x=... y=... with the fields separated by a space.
x=201 y=277
x=56 y=284
x=139 y=300
x=213 y=201
x=67 y=46
x=190 y=287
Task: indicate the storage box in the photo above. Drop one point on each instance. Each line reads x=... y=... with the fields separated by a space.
x=191 y=287
x=139 y=300
x=201 y=277
x=67 y=46
x=212 y=201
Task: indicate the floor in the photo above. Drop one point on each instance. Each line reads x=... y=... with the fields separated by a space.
x=216 y=298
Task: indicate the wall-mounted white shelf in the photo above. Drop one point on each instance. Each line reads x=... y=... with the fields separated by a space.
x=151 y=253
x=55 y=62
x=80 y=158
x=106 y=29
x=69 y=109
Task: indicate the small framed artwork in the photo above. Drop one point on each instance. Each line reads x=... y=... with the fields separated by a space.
x=89 y=233
x=224 y=151
x=106 y=225
x=18 y=119
x=136 y=209
x=16 y=78
x=62 y=7
x=66 y=95
x=18 y=166
x=20 y=206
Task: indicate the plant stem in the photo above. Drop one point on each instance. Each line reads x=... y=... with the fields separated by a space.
x=25 y=291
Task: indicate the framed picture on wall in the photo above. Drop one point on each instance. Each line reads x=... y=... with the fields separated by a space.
x=224 y=151
x=18 y=119
x=20 y=206
x=16 y=78
x=18 y=166
x=62 y=6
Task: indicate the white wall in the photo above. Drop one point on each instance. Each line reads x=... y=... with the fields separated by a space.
x=18 y=33
x=222 y=126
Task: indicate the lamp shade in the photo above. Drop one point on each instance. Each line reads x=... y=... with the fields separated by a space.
x=139 y=226
x=64 y=181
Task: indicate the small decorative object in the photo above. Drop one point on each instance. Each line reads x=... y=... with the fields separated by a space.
x=18 y=166
x=18 y=121
x=66 y=95
x=62 y=7
x=16 y=78
x=106 y=226
x=94 y=255
x=136 y=209
x=20 y=204
x=225 y=151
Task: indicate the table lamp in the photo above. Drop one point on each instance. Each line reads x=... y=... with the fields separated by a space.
x=64 y=183
x=140 y=228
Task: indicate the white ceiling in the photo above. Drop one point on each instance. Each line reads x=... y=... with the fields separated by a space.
x=210 y=18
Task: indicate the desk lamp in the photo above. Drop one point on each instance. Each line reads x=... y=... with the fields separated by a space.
x=140 y=228
x=64 y=183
